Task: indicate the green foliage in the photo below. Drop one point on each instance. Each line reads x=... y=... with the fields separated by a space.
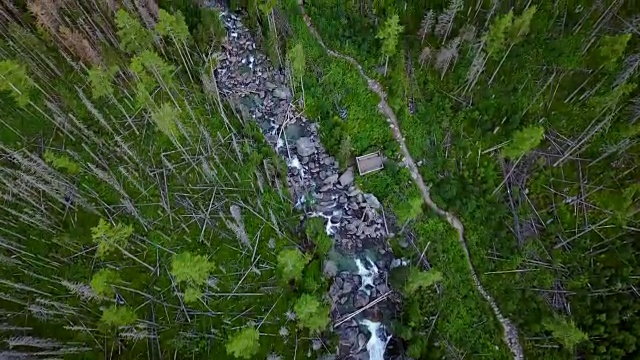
x=291 y=263
x=192 y=295
x=410 y=210
x=165 y=118
x=191 y=269
x=521 y=24
x=102 y=282
x=244 y=344
x=317 y=233
x=15 y=80
x=507 y=29
x=173 y=26
x=151 y=70
x=116 y=316
x=496 y=37
x=389 y=33
x=420 y=279
x=565 y=332
x=100 y=79
x=297 y=60
x=523 y=142
x=210 y=31
x=109 y=237
x=133 y=36
x=313 y=281
x=61 y=162
x=311 y=313
x=610 y=99
x=345 y=152
x=611 y=48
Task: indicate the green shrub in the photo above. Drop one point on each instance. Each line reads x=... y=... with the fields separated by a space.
x=244 y=344
x=291 y=263
x=311 y=313
x=115 y=316
x=102 y=282
x=317 y=233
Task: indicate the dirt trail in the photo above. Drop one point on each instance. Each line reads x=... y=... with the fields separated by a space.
x=510 y=335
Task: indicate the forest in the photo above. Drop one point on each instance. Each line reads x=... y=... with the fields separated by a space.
x=150 y=210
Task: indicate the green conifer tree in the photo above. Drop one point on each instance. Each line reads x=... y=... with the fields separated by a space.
x=244 y=344
x=389 y=33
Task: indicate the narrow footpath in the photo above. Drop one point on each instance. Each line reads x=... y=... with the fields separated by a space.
x=510 y=335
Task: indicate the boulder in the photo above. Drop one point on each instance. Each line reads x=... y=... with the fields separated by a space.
x=282 y=93
x=347 y=177
x=305 y=146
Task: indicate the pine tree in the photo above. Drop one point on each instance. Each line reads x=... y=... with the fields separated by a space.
x=311 y=313
x=14 y=79
x=244 y=344
x=291 y=263
x=61 y=162
x=191 y=269
x=165 y=119
x=109 y=237
x=102 y=282
x=151 y=70
x=565 y=332
x=315 y=230
x=389 y=33
x=172 y=25
x=523 y=142
x=101 y=79
x=133 y=36
x=420 y=279
x=496 y=37
x=611 y=49
x=507 y=29
x=116 y=316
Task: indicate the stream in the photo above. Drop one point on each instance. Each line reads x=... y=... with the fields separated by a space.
x=362 y=302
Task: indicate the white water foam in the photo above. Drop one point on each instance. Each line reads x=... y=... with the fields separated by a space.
x=295 y=163
x=367 y=275
x=378 y=341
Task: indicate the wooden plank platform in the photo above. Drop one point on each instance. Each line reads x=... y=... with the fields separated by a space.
x=369 y=163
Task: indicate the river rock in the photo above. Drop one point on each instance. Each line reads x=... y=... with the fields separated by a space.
x=331 y=179
x=361 y=299
x=282 y=93
x=347 y=177
x=305 y=146
x=372 y=201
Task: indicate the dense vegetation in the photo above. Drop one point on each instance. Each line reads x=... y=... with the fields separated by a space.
x=525 y=123
x=140 y=217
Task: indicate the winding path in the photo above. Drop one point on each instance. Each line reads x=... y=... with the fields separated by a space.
x=510 y=335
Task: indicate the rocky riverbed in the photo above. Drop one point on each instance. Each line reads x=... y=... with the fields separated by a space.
x=361 y=298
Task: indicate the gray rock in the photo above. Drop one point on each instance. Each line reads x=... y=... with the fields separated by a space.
x=326 y=188
x=270 y=86
x=330 y=269
x=331 y=179
x=359 y=344
x=382 y=288
x=372 y=201
x=362 y=341
x=347 y=287
x=282 y=93
x=347 y=177
x=305 y=147
x=361 y=299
